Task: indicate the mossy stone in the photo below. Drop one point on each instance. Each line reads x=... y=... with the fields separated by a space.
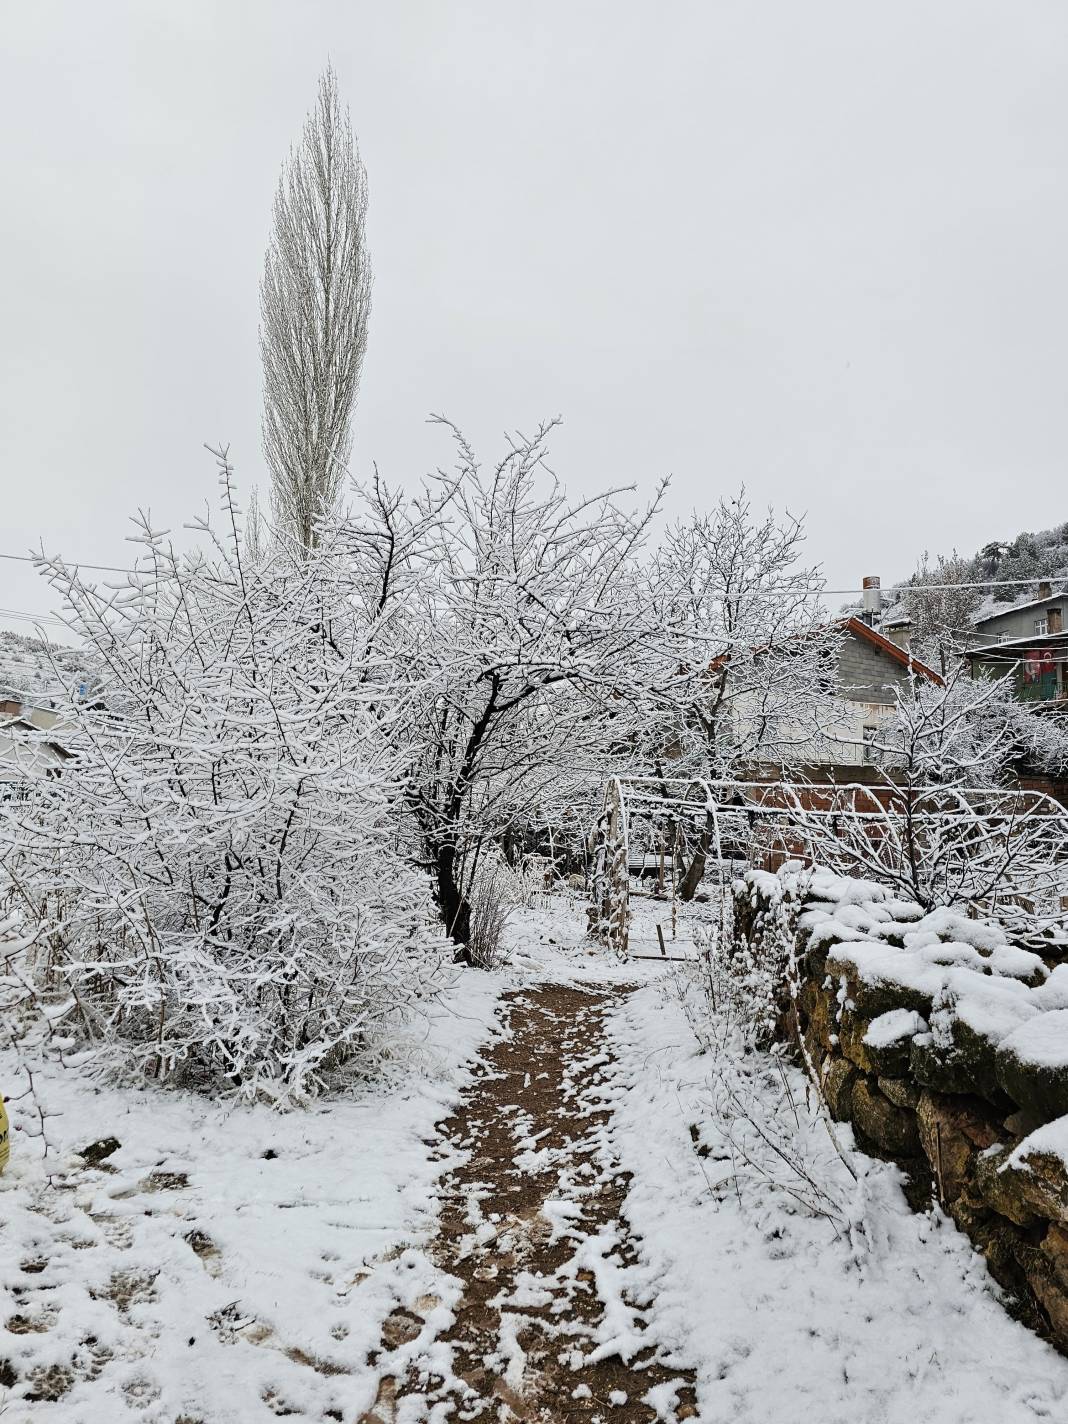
x=892 y=1129
x=1040 y=1087
x=839 y=1076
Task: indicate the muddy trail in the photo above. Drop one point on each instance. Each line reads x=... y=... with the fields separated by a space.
x=547 y=1326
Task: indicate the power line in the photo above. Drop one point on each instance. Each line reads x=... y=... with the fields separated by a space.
x=903 y=589
x=25 y=617
x=900 y=590
x=982 y=655
x=103 y=568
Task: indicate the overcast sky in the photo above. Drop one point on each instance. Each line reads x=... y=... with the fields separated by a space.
x=817 y=247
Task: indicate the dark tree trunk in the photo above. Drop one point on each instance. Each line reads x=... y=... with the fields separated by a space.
x=454 y=908
x=695 y=872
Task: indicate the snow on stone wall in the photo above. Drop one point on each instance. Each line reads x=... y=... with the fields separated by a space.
x=945 y=1045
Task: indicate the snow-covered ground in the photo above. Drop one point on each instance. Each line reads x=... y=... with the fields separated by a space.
x=216 y=1260
x=236 y=1264
x=785 y=1315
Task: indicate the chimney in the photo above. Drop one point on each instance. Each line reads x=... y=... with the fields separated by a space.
x=900 y=632
x=873 y=599
x=1045 y=589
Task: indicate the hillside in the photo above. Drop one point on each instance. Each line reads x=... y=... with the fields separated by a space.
x=34 y=670
x=1032 y=555
x=1037 y=555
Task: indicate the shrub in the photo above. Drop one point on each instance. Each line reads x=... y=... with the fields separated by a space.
x=215 y=886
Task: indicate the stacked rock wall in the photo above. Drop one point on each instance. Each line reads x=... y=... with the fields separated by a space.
x=946 y=1049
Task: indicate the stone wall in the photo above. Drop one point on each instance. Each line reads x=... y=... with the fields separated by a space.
x=960 y=1083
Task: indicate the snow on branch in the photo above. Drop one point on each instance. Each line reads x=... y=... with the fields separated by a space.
x=215 y=890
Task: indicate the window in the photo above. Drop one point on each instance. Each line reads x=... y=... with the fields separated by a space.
x=869 y=744
x=1041 y=625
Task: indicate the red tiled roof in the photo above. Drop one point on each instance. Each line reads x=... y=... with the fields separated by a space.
x=861 y=629
x=899 y=655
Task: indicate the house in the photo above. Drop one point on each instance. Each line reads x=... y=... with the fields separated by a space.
x=43 y=719
x=861 y=693
x=1029 y=643
x=872 y=672
x=26 y=755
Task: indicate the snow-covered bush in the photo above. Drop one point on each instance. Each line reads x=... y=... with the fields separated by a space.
x=948 y=825
x=216 y=886
x=763 y=1122
x=490 y=904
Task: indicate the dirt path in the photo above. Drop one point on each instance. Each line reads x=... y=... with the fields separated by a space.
x=531 y=1225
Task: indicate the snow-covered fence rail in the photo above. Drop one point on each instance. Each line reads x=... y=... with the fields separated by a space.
x=993 y=851
x=945 y=1044
x=986 y=850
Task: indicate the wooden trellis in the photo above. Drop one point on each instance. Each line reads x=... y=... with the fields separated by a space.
x=610 y=915
x=672 y=801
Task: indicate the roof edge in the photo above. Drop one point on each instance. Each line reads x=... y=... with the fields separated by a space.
x=884 y=645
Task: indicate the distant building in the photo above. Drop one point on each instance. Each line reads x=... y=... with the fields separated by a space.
x=1028 y=643
x=26 y=755
x=862 y=691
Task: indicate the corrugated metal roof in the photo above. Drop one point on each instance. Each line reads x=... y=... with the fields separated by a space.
x=27 y=756
x=1022 y=608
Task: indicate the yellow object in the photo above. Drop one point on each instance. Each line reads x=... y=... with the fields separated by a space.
x=4 y=1145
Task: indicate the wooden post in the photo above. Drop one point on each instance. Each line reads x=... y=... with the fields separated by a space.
x=660 y=937
x=675 y=883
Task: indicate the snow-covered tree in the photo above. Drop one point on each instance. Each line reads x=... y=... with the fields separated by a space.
x=942 y=608
x=748 y=660
x=216 y=889
x=255 y=549
x=510 y=613
x=949 y=824
x=315 y=301
x=969 y=731
x=1030 y=556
